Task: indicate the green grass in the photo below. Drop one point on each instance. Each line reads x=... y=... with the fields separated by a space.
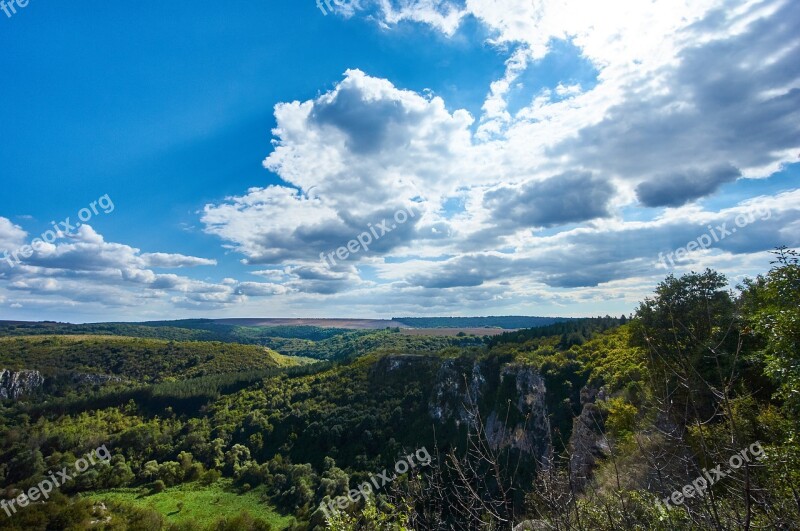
x=203 y=505
x=291 y=361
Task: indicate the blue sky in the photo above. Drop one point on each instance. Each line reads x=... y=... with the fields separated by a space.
x=552 y=155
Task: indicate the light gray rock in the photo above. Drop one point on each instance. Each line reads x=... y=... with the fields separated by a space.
x=523 y=424
x=15 y=384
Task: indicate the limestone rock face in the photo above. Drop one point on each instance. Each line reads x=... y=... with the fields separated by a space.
x=587 y=443
x=95 y=379
x=397 y=369
x=14 y=384
x=510 y=398
x=456 y=390
x=531 y=431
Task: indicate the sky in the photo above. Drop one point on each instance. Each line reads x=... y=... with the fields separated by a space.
x=379 y=158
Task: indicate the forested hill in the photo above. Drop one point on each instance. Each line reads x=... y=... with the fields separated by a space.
x=173 y=333
x=572 y=332
x=299 y=341
x=135 y=359
x=184 y=330
x=509 y=322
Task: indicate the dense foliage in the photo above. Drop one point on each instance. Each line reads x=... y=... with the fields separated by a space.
x=361 y=342
x=572 y=332
x=509 y=322
x=301 y=341
x=143 y=360
x=183 y=330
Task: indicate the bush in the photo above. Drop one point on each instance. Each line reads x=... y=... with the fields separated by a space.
x=242 y=522
x=210 y=477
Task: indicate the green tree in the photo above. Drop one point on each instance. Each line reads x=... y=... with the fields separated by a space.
x=772 y=309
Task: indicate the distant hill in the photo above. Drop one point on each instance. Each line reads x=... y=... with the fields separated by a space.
x=572 y=331
x=222 y=329
x=353 y=324
x=302 y=341
x=509 y=322
x=183 y=330
x=138 y=359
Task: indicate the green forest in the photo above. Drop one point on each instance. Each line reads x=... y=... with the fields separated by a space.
x=684 y=415
x=478 y=322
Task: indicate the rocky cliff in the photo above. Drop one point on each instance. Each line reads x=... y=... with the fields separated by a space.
x=509 y=399
x=531 y=431
x=588 y=442
x=94 y=379
x=14 y=384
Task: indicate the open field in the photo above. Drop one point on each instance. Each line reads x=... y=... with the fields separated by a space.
x=201 y=505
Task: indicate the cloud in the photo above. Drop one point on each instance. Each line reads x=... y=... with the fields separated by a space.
x=730 y=98
x=167 y=260
x=86 y=269
x=343 y=147
x=682 y=86
x=350 y=159
x=674 y=113
x=441 y=14
x=618 y=250
x=315 y=278
x=567 y=198
x=274 y=224
x=280 y=225
x=466 y=271
x=689 y=95
x=677 y=189
x=370 y=123
x=261 y=289
x=12 y=237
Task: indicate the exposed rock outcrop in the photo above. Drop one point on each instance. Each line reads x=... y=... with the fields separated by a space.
x=15 y=384
x=456 y=391
x=528 y=429
x=511 y=400
x=533 y=525
x=399 y=362
x=399 y=369
x=587 y=443
x=95 y=379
